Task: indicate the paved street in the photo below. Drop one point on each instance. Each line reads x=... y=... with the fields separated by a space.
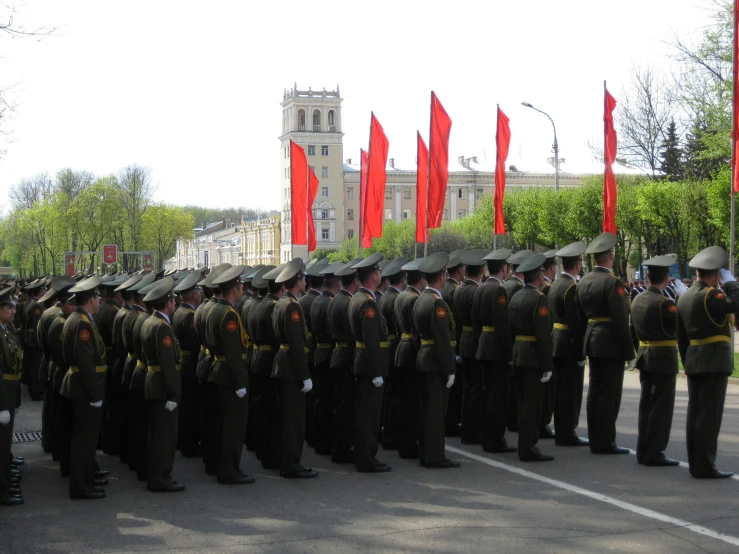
x=493 y=503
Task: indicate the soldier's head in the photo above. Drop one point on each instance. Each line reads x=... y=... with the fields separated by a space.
x=549 y=268
x=602 y=249
x=658 y=275
x=434 y=266
x=229 y=283
x=369 y=272
x=188 y=289
x=532 y=270
x=7 y=305
x=86 y=295
x=161 y=297
x=292 y=276
x=348 y=275
x=417 y=279
x=572 y=265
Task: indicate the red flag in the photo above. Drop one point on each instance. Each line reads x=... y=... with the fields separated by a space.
x=422 y=159
x=609 y=179
x=312 y=190
x=376 y=178
x=502 y=142
x=298 y=194
x=364 y=166
x=441 y=126
x=735 y=105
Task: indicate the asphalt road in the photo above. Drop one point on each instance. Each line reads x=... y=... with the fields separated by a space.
x=493 y=503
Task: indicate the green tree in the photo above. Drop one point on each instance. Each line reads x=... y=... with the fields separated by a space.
x=671 y=155
x=162 y=226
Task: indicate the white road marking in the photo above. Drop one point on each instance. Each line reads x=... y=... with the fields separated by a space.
x=600 y=497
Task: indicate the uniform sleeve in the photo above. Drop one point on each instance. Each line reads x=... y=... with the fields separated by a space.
x=168 y=362
x=4 y=400
x=85 y=355
x=230 y=327
x=503 y=324
x=724 y=301
x=187 y=335
x=668 y=313
x=619 y=311
x=441 y=330
x=295 y=333
x=576 y=321
x=370 y=319
x=543 y=333
x=683 y=341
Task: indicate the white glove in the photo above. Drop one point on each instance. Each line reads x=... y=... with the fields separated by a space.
x=679 y=287
x=545 y=378
x=724 y=276
x=97 y=404
x=630 y=364
x=4 y=417
x=241 y=393
x=15 y=412
x=581 y=363
x=449 y=381
x=458 y=359
x=307 y=385
x=170 y=405
x=377 y=381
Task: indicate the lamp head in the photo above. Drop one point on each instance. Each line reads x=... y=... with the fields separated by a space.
x=526 y=104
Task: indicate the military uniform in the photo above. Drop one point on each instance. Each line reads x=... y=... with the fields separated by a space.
x=453 y=416
x=10 y=368
x=183 y=323
x=34 y=375
x=391 y=420
x=104 y=321
x=607 y=345
x=254 y=420
x=310 y=401
x=704 y=323
x=140 y=405
x=47 y=435
x=61 y=425
x=512 y=286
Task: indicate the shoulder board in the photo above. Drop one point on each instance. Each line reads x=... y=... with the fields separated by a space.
x=274 y=301
x=436 y=296
x=85 y=318
x=293 y=301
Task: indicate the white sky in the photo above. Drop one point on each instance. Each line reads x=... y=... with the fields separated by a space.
x=192 y=89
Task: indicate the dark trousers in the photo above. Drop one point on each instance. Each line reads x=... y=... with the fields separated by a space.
x=511 y=403
x=124 y=423
x=391 y=421
x=433 y=407
x=292 y=428
x=211 y=399
x=310 y=406
x=367 y=420
x=604 y=402
x=568 y=383
x=188 y=427
x=453 y=416
x=232 y=412
x=60 y=429
x=255 y=420
x=410 y=412
x=472 y=400
x=141 y=435
x=270 y=454
x=33 y=376
x=162 y=439
x=112 y=411
x=546 y=409
x=343 y=424
x=656 y=406
x=47 y=418
x=86 y=425
x=706 y=395
x=64 y=437
x=494 y=398
x=6 y=440
x=324 y=410
x=530 y=391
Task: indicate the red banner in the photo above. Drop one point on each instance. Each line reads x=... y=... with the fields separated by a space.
x=70 y=265
x=312 y=191
x=298 y=194
x=110 y=253
x=148 y=261
x=735 y=105
x=422 y=175
x=376 y=180
x=609 y=179
x=502 y=142
x=363 y=167
x=441 y=126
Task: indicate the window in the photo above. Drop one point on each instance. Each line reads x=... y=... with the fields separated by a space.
x=462 y=213
x=445 y=215
x=324 y=171
x=324 y=192
x=388 y=193
x=459 y=193
x=311 y=150
x=301 y=120
x=350 y=215
x=324 y=214
x=350 y=193
x=350 y=233
x=331 y=121
x=407 y=194
x=388 y=213
x=324 y=150
x=324 y=234
x=316 y=120
x=479 y=194
x=406 y=214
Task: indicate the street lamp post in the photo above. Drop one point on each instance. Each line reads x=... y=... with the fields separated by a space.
x=466 y=163
x=556 y=146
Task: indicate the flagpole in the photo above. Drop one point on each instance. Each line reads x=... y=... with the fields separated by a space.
x=366 y=183
x=361 y=207
x=732 y=223
x=307 y=210
x=428 y=179
x=605 y=146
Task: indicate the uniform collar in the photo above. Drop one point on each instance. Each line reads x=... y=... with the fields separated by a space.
x=471 y=281
x=314 y=291
x=327 y=293
x=432 y=290
x=495 y=279
x=165 y=317
x=604 y=269
x=368 y=292
x=517 y=278
x=290 y=295
x=452 y=280
x=186 y=305
x=347 y=293
x=393 y=288
x=565 y=274
x=413 y=289
x=548 y=280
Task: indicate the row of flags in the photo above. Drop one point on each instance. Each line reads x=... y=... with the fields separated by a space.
x=431 y=178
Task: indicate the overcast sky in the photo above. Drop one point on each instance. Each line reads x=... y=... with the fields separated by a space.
x=193 y=89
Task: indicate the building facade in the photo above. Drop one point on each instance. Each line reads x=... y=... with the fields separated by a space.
x=260 y=242
x=214 y=244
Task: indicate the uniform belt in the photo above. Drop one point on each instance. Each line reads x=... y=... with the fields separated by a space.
x=710 y=340
x=341 y=345
x=139 y=364
x=263 y=347
x=392 y=337
x=186 y=353
x=323 y=345
x=131 y=356
x=383 y=344
x=159 y=368
x=287 y=347
x=222 y=358
x=453 y=343
x=657 y=343
x=599 y=319
x=98 y=369
x=310 y=335
x=426 y=342
x=488 y=329
x=408 y=336
x=202 y=348
x=11 y=376
x=525 y=338
x=468 y=328
x=561 y=326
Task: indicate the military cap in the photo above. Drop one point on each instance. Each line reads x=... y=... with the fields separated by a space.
x=455 y=258
x=145 y=280
x=661 y=261
x=48 y=281
x=120 y=279
x=107 y=281
x=292 y=268
x=314 y=267
x=253 y=271
x=6 y=297
x=330 y=269
x=143 y=291
x=370 y=262
x=602 y=243
x=59 y=284
x=37 y=284
x=247 y=270
x=231 y=274
x=413 y=265
x=708 y=259
x=160 y=275
x=394 y=267
x=86 y=285
x=499 y=255
x=214 y=273
x=128 y=283
x=474 y=257
x=347 y=269
x=383 y=265
x=434 y=262
x=180 y=276
x=573 y=250
x=258 y=281
x=519 y=257
x=551 y=254
x=188 y=283
x=532 y=263
x=273 y=273
x=160 y=289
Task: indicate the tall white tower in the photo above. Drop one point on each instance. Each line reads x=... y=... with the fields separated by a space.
x=312 y=119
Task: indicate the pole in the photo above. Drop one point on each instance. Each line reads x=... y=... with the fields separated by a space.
x=732 y=223
x=428 y=178
x=363 y=194
x=307 y=210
